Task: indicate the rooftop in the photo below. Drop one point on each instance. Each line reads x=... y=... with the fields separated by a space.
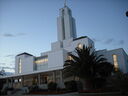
x=80 y=38
x=24 y=54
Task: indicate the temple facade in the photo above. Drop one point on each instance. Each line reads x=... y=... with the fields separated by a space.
x=47 y=67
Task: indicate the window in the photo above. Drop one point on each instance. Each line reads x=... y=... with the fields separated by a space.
x=16 y=80
x=69 y=58
x=80 y=45
x=62 y=12
x=44 y=79
x=19 y=66
x=90 y=46
x=115 y=61
x=41 y=60
x=19 y=80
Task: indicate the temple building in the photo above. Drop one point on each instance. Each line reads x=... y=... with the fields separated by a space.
x=48 y=66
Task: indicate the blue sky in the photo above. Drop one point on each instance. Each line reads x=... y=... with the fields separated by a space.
x=30 y=25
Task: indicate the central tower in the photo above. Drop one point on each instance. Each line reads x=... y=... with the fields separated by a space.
x=66 y=26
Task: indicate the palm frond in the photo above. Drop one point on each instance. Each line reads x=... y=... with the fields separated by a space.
x=86 y=63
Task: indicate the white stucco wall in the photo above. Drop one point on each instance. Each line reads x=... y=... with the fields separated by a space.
x=126 y=60
x=27 y=63
x=122 y=60
x=66 y=24
x=56 y=46
x=56 y=59
x=71 y=44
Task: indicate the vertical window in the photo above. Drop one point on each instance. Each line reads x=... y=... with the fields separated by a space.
x=80 y=46
x=19 y=66
x=115 y=61
x=70 y=58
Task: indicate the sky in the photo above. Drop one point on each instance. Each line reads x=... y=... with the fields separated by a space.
x=30 y=25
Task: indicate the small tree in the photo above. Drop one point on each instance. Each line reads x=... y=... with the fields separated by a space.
x=52 y=86
x=2 y=72
x=120 y=81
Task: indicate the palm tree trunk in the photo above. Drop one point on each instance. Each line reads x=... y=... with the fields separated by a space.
x=88 y=84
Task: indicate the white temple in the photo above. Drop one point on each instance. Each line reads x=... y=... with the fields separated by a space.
x=48 y=67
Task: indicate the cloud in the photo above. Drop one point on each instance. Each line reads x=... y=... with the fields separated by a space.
x=12 y=35
x=121 y=42
x=108 y=41
x=9 y=55
x=96 y=40
x=21 y=34
x=8 y=35
x=4 y=66
x=8 y=67
x=13 y=61
x=115 y=42
x=1 y=64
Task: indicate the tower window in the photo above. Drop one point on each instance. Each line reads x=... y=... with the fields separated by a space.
x=19 y=65
x=115 y=61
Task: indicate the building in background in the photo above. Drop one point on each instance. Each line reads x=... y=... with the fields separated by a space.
x=48 y=67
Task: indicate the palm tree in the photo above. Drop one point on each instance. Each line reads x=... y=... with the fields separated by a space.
x=87 y=65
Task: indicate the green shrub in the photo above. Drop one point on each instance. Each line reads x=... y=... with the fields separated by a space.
x=71 y=86
x=34 y=88
x=52 y=86
x=120 y=82
x=10 y=89
x=79 y=85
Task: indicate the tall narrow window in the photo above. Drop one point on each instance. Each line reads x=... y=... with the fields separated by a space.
x=19 y=66
x=80 y=45
x=115 y=61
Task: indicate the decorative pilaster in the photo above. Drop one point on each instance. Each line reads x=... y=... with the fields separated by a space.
x=39 y=79
x=22 y=81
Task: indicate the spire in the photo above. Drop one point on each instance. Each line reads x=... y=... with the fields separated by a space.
x=66 y=24
x=65 y=1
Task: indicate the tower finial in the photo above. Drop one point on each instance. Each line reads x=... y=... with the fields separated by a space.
x=65 y=3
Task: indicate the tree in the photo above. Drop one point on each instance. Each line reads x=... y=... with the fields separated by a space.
x=87 y=65
x=120 y=81
x=2 y=72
